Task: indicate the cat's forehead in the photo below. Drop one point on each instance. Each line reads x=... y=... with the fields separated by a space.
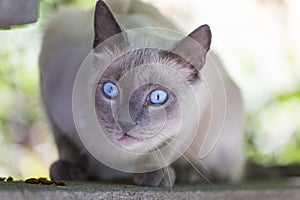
x=145 y=66
x=131 y=60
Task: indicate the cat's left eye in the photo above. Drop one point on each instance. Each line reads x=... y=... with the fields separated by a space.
x=158 y=96
x=110 y=90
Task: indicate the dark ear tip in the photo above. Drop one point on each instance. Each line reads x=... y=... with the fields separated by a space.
x=205 y=28
x=100 y=4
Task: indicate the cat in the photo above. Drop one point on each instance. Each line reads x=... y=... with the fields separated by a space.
x=146 y=100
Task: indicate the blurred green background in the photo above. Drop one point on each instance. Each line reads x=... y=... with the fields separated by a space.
x=257 y=40
x=26 y=145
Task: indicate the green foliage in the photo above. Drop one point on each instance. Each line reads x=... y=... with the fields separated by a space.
x=273 y=132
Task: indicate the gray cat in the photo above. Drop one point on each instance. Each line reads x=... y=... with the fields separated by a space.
x=131 y=110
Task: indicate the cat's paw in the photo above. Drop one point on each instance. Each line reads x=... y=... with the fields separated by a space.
x=63 y=170
x=163 y=178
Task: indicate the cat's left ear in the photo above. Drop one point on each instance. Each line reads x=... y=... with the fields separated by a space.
x=106 y=25
x=195 y=46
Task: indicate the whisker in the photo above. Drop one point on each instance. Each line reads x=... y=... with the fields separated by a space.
x=169 y=130
x=157 y=161
x=163 y=168
x=191 y=163
x=191 y=152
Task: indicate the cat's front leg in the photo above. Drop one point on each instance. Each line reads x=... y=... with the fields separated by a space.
x=72 y=162
x=164 y=177
x=64 y=170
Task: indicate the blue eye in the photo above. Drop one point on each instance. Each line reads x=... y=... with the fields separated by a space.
x=158 y=97
x=110 y=90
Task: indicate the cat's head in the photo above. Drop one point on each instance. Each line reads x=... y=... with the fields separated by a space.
x=140 y=94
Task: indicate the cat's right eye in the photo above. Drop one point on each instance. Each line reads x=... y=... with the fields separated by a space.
x=110 y=90
x=158 y=97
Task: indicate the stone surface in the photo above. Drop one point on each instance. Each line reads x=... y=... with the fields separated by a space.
x=288 y=189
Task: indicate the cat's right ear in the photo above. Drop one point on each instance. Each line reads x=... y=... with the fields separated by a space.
x=105 y=25
x=195 y=46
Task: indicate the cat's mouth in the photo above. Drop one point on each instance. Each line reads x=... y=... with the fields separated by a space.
x=126 y=136
x=136 y=143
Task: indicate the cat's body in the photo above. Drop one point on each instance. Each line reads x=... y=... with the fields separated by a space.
x=68 y=40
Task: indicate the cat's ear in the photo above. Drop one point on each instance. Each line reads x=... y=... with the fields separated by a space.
x=105 y=24
x=195 y=46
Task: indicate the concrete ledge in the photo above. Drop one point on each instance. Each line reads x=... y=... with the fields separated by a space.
x=79 y=190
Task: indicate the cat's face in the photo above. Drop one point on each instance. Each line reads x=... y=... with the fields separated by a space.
x=139 y=96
